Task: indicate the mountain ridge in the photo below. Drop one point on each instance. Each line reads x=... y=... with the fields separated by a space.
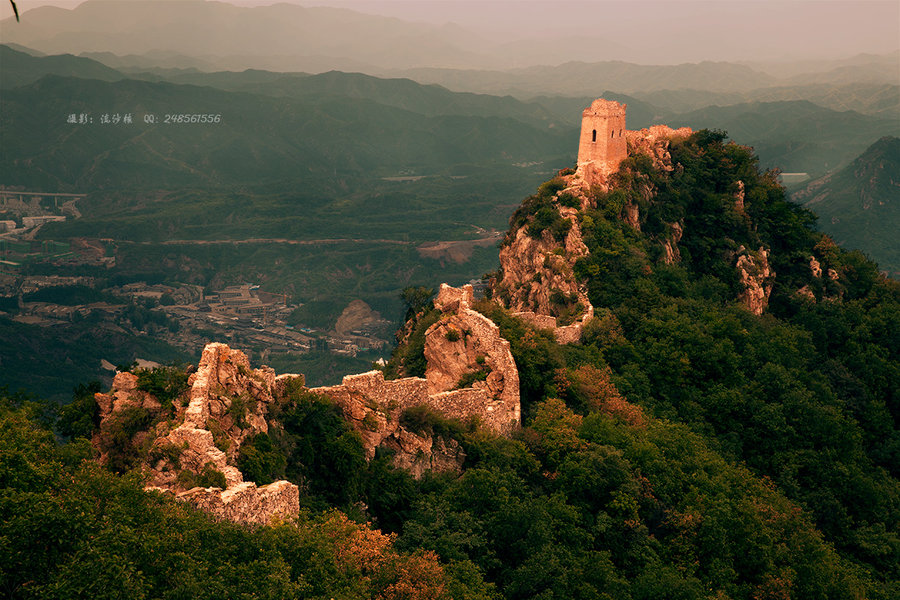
x=858 y=205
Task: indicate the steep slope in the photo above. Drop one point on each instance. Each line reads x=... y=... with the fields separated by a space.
x=859 y=206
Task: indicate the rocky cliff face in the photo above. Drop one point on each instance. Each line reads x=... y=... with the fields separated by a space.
x=757 y=279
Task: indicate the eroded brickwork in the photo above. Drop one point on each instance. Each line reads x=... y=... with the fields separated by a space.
x=602 y=144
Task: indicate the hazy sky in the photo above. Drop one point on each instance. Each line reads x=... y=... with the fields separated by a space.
x=649 y=31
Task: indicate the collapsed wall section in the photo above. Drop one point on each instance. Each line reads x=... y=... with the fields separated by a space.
x=471 y=374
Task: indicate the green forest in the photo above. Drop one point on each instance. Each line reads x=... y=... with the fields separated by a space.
x=685 y=449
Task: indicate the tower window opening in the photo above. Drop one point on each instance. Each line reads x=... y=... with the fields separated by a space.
x=595 y=136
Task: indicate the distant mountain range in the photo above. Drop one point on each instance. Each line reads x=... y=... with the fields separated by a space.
x=212 y=36
x=795 y=136
x=302 y=128
x=278 y=37
x=20 y=68
x=274 y=121
x=859 y=206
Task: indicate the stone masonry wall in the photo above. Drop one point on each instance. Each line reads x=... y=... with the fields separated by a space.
x=374 y=405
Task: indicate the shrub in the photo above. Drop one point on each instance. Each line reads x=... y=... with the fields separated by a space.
x=210 y=476
x=165 y=383
x=220 y=438
x=423 y=419
x=169 y=452
x=117 y=437
x=549 y=188
x=261 y=461
x=469 y=378
x=80 y=417
x=370 y=422
x=238 y=408
x=570 y=200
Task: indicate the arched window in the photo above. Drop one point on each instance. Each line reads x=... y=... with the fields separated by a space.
x=613 y=134
x=595 y=136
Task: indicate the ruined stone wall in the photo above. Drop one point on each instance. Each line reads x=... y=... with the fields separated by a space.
x=466 y=342
x=222 y=384
x=654 y=142
x=374 y=405
x=245 y=502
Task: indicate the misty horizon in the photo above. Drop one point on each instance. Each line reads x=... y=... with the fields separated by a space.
x=513 y=34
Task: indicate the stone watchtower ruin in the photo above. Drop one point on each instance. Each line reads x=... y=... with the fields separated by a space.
x=602 y=145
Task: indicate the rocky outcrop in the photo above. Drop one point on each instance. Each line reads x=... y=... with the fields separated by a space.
x=125 y=394
x=815 y=267
x=228 y=403
x=739 y=198
x=419 y=454
x=538 y=282
x=756 y=277
x=654 y=142
x=670 y=243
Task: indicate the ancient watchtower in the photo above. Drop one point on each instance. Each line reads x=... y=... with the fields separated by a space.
x=602 y=146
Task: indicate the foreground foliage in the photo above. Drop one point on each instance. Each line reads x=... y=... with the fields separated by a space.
x=69 y=528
